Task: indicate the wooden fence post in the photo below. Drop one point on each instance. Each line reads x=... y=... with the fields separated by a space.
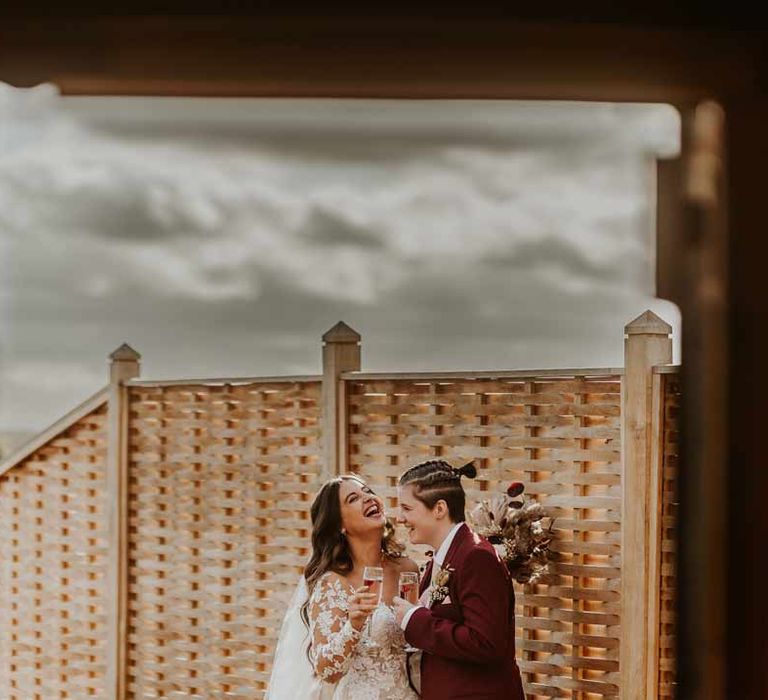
x=124 y=365
x=647 y=344
x=341 y=353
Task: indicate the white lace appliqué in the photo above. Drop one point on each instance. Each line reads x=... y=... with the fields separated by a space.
x=367 y=666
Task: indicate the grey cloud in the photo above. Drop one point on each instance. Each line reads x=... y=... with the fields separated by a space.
x=552 y=251
x=324 y=227
x=229 y=248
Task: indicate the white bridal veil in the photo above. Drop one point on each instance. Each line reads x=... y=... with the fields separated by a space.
x=292 y=675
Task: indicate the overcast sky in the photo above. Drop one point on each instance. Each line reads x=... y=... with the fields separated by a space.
x=223 y=237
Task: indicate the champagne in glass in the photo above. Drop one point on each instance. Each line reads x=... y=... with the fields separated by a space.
x=373 y=580
x=409 y=586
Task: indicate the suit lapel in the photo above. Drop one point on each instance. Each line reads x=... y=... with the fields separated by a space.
x=458 y=540
x=461 y=534
x=426 y=577
x=454 y=550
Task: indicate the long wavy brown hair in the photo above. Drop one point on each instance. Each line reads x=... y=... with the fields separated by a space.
x=330 y=549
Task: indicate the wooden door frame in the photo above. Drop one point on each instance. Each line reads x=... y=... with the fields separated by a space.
x=406 y=56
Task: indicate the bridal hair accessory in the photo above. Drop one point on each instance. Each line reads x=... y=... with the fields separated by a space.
x=514 y=527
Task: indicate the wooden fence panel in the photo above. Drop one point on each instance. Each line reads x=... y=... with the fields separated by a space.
x=561 y=436
x=53 y=561
x=667 y=683
x=221 y=479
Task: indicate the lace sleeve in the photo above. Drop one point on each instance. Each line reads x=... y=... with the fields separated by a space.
x=333 y=637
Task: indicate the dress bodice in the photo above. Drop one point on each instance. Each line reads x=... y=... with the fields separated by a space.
x=368 y=665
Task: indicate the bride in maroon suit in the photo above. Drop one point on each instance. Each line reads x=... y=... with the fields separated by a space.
x=465 y=624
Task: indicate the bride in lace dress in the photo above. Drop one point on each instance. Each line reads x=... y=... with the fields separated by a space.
x=352 y=643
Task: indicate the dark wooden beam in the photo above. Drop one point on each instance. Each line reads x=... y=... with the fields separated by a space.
x=275 y=56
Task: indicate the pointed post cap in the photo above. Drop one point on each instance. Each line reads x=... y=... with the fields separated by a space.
x=341 y=333
x=648 y=323
x=125 y=353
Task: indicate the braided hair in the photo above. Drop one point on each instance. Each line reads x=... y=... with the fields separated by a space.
x=437 y=480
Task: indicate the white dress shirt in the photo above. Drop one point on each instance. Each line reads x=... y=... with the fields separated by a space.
x=437 y=562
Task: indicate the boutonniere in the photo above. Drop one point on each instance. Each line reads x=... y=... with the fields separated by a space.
x=440 y=590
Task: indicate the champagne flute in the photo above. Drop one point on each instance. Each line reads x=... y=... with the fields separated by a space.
x=373 y=580
x=409 y=586
x=408 y=589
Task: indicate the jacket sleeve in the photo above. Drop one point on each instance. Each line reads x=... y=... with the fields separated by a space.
x=482 y=589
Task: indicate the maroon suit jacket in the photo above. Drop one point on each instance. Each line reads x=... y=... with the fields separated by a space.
x=469 y=642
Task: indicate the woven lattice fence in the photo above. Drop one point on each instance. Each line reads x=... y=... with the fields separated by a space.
x=53 y=563
x=150 y=540
x=221 y=479
x=561 y=435
x=670 y=443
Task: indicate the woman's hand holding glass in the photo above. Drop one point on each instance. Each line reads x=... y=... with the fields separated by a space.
x=361 y=606
x=373 y=582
